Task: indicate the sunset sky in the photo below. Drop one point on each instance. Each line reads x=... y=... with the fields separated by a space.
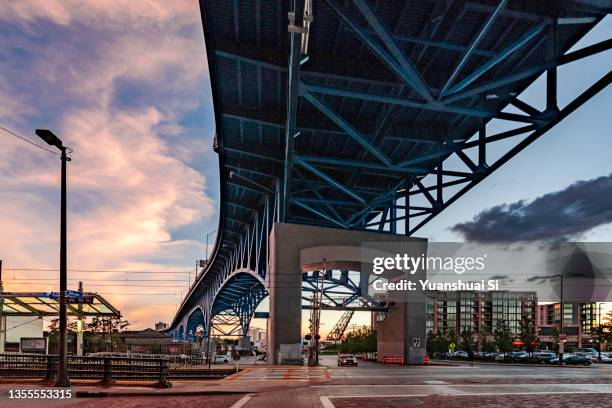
x=125 y=84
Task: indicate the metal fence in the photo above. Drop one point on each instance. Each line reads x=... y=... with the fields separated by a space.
x=107 y=369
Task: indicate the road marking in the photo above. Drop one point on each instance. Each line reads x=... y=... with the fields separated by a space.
x=242 y=401
x=238 y=374
x=471 y=385
x=468 y=394
x=326 y=402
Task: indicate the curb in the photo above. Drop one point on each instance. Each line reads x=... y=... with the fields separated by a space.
x=107 y=394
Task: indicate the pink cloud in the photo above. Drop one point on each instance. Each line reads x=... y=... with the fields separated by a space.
x=130 y=180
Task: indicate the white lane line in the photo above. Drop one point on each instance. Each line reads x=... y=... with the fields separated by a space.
x=470 y=394
x=468 y=385
x=326 y=402
x=242 y=401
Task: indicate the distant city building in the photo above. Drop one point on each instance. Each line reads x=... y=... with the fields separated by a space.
x=258 y=338
x=578 y=320
x=150 y=341
x=478 y=311
x=161 y=326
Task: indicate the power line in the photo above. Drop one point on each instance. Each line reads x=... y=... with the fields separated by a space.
x=22 y=324
x=139 y=294
x=90 y=270
x=123 y=286
x=28 y=141
x=8 y=280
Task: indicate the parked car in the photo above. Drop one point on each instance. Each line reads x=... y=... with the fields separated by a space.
x=347 y=359
x=573 y=359
x=543 y=357
x=510 y=357
x=586 y=350
x=221 y=359
x=461 y=354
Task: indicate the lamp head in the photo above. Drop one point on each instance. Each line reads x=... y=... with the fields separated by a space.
x=49 y=137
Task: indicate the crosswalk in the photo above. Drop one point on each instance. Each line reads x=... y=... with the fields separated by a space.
x=281 y=374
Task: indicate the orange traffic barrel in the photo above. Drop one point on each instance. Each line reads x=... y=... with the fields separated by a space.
x=426 y=360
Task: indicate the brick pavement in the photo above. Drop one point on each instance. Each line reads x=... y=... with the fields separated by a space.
x=208 y=401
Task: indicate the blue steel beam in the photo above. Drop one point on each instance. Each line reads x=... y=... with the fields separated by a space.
x=473 y=44
x=530 y=72
x=329 y=179
x=378 y=51
x=439 y=44
x=593 y=90
x=292 y=104
x=344 y=125
x=326 y=204
x=376 y=166
x=434 y=106
x=410 y=73
x=321 y=214
x=498 y=58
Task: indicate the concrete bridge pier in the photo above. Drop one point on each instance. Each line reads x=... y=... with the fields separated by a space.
x=295 y=249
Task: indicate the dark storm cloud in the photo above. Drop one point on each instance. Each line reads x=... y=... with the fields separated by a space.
x=560 y=215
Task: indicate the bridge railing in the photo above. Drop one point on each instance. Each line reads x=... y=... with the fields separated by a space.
x=107 y=369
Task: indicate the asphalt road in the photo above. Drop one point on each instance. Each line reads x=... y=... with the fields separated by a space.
x=372 y=385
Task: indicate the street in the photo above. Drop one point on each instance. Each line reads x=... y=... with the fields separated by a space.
x=368 y=385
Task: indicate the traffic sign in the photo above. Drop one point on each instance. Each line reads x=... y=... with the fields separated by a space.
x=452 y=347
x=80 y=300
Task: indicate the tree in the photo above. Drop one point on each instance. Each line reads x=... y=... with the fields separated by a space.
x=102 y=333
x=467 y=341
x=503 y=336
x=361 y=340
x=488 y=347
x=555 y=335
x=528 y=333
x=436 y=343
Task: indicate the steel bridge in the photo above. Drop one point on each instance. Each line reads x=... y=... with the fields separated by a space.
x=363 y=114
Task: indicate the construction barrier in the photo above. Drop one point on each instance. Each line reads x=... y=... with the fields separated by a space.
x=393 y=359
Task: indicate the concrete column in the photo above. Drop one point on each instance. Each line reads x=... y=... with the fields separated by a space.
x=298 y=248
x=2 y=332
x=285 y=288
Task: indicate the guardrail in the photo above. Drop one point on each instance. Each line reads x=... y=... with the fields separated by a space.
x=107 y=369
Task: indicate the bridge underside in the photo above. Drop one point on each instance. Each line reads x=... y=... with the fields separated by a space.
x=363 y=114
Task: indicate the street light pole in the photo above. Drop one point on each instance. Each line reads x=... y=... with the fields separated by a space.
x=62 y=379
x=561 y=334
x=207 y=235
x=62 y=375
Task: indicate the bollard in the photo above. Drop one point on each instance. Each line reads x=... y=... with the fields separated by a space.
x=163 y=374
x=50 y=371
x=107 y=376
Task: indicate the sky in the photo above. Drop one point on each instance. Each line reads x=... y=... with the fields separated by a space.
x=125 y=84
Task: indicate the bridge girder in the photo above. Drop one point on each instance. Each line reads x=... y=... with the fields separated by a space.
x=367 y=139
